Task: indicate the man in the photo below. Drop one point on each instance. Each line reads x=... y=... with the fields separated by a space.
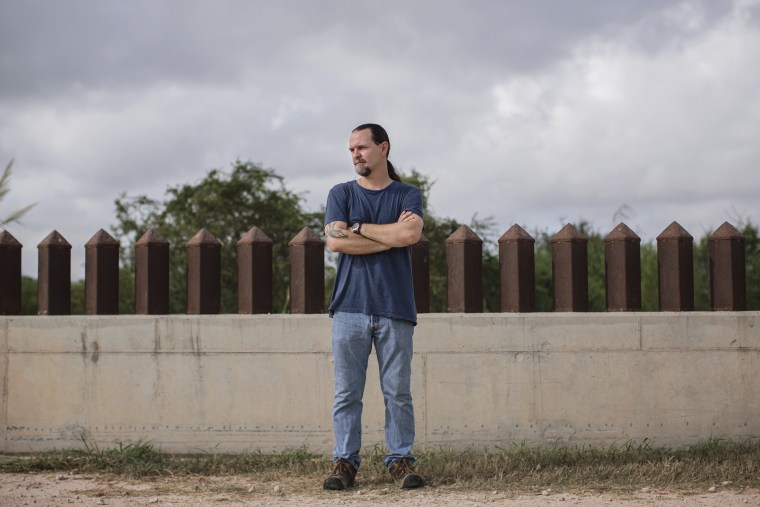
x=372 y=222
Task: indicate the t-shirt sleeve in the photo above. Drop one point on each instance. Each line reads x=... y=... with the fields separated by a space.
x=337 y=205
x=413 y=201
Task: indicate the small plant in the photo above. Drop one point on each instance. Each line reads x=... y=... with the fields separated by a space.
x=4 y=189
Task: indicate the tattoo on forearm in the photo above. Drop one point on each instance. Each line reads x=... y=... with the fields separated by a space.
x=333 y=233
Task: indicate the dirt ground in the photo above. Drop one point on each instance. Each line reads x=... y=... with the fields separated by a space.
x=64 y=489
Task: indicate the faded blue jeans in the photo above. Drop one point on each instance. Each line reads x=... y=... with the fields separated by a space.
x=352 y=337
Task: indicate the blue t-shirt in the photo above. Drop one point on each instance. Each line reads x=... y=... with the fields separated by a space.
x=379 y=283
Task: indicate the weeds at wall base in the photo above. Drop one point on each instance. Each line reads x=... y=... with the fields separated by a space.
x=518 y=468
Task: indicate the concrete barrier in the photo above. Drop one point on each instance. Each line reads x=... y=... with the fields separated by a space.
x=234 y=383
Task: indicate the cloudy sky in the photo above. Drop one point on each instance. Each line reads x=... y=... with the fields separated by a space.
x=533 y=112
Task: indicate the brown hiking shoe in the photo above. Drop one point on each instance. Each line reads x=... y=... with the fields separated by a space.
x=342 y=476
x=403 y=473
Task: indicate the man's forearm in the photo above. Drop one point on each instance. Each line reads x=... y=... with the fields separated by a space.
x=400 y=234
x=359 y=245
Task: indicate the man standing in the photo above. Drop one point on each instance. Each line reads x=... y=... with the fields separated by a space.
x=372 y=222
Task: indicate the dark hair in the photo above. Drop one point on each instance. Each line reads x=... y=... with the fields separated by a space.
x=379 y=135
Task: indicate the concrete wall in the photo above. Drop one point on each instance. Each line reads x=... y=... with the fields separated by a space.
x=238 y=383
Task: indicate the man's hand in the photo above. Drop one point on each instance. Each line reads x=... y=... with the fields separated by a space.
x=407 y=216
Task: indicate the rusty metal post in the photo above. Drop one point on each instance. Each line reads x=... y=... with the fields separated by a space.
x=307 y=272
x=10 y=274
x=421 y=274
x=675 y=265
x=152 y=274
x=255 y=280
x=464 y=256
x=101 y=275
x=728 y=283
x=622 y=269
x=54 y=276
x=517 y=271
x=204 y=274
x=570 y=270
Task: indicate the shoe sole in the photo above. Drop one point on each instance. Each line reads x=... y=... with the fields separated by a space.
x=412 y=481
x=334 y=484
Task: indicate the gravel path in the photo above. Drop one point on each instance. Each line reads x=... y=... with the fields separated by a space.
x=57 y=489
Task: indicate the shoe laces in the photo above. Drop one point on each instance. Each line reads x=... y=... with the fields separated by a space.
x=342 y=467
x=403 y=467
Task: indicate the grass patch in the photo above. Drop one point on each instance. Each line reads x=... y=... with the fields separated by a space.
x=517 y=468
x=142 y=459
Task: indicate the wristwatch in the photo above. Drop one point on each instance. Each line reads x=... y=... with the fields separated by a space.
x=357 y=228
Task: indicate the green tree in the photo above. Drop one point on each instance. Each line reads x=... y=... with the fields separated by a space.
x=702 y=274
x=543 y=263
x=77 y=297
x=650 y=298
x=227 y=204
x=28 y=295
x=486 y=230
x=752 y=249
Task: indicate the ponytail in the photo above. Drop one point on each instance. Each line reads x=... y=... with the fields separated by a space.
x=392 y=172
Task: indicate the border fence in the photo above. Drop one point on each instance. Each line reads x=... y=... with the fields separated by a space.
x=517 y=282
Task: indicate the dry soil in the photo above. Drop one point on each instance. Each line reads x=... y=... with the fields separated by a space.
x=47 y=489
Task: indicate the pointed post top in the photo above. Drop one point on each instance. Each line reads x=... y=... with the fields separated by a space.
x=516 y=234
x=726 y=231
x=622 y=232
x=54 y=240
x=568 y=234
x=8 y=241
x=101 y=238
x=306 y=237
x=254 y=236
x=151 y=237
x=203 y=238
x=674 y=231
x=463 y=235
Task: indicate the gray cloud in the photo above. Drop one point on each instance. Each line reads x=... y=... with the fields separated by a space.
x=532 y=112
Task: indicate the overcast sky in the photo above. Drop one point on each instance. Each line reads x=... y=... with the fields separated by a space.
x=533 y=112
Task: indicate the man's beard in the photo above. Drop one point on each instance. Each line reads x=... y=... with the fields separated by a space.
x=363 y=171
